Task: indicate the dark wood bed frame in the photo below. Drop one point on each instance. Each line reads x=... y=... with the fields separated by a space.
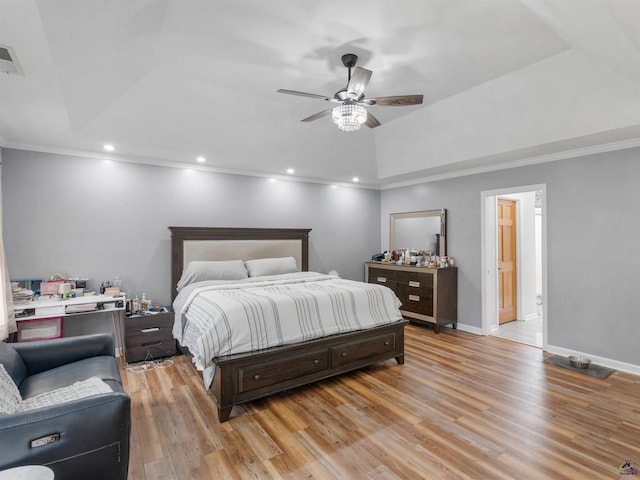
x=244 y=377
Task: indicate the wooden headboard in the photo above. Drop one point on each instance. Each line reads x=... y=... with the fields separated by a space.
x=220 y=243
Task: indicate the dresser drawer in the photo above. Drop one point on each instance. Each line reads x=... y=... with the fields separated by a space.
x=264 y=374
x=383 y=277
x=419 y=280
x=416 y=303
x=352 y=352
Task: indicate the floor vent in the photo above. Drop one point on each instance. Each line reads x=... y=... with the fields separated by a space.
x=9 y=62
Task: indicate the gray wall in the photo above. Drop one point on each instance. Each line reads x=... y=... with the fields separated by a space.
x=593 y=246
x=86 y=217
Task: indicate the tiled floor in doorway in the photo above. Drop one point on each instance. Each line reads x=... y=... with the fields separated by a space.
x=527 y=331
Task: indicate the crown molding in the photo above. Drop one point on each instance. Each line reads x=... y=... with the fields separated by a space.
x=534 y=160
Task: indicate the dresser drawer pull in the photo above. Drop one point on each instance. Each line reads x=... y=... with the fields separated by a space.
x=256 y=376
x=414 y=284
x=316 y=361
x=415 y=298
x=150 y=344
x=382 y=279
x=343 y=354
x=386 y=343
x=149 y=330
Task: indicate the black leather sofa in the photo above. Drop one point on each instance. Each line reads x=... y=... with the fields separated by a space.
x=85 y=438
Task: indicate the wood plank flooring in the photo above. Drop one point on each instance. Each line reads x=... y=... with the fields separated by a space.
x=461 y=407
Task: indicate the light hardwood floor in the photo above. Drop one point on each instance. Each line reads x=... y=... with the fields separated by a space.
x=462 y=406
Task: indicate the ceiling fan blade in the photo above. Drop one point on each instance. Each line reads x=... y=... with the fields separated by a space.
x=318 y=115
x=397 y=101
x=303 y=94
x=372 y=122
x=359 y=81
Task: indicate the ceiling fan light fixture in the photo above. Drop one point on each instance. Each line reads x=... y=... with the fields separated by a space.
x=349 y=117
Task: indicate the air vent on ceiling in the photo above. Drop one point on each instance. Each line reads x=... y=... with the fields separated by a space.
x=9 y=62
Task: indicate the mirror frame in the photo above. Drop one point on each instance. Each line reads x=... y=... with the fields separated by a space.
x=442 y=213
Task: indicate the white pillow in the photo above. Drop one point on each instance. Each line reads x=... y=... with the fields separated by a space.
x=10 y=397
x=271 y=266
x=85 y=388
x=201 y=270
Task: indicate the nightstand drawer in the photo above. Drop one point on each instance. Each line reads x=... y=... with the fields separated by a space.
x=151 y=351
x=147 y=336
x=137 y=323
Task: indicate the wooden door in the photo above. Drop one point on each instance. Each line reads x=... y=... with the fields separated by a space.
x=507 y=309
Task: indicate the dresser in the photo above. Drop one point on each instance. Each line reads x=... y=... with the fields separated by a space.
x=429 y=296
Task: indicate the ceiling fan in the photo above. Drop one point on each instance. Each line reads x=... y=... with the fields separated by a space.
x=351 y=114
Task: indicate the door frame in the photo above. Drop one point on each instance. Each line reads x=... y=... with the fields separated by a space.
x=489 y=261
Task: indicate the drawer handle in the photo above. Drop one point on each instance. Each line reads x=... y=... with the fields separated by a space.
x=343 y=354
x=414 y=284
x=387 y=343
x=256 y=376
x=149 y=330
x=382 y=279
x=150 y=344
x=316 y=361
x=415 y=298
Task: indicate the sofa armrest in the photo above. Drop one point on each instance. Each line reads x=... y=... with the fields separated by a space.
x=48 y=354
x=89 y=435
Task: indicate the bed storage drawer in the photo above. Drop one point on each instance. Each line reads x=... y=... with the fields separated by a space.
x=252 y=377
x=353 y=352
x=281 y=368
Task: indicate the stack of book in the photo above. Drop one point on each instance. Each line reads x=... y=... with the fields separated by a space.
x=21 y=295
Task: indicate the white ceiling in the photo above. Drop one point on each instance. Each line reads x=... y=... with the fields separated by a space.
x=512 y=81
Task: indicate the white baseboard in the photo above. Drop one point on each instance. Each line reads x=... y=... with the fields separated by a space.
x=555 y=350
x=531 y=316
x=602 y=361
x=469 y=328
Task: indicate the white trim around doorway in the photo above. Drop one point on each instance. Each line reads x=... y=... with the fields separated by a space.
x=489 y=280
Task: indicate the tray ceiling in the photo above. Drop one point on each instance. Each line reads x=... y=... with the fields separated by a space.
x=165 y=81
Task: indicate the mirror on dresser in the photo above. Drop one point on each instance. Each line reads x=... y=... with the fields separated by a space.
x=423 y=230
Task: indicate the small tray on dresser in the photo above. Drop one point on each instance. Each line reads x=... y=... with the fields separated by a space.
x=148 y=336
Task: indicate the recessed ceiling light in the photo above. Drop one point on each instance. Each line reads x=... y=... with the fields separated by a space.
x=109 y=148
x=355 y=179
x=201 y=159
x=290 y=171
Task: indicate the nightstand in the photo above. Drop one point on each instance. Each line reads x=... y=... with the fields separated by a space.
x=148 y=336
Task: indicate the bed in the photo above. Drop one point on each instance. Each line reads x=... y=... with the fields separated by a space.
x=313 y=345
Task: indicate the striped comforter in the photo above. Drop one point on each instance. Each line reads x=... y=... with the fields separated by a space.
x=223 y=319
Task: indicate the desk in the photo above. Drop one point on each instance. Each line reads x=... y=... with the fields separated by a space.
x=87 y=305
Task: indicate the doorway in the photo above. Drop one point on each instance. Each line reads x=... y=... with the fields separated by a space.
x=514 y=264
